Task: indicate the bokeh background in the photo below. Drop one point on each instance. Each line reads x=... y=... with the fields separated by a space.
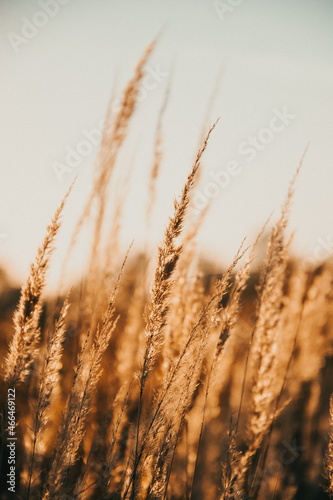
x=237 y=60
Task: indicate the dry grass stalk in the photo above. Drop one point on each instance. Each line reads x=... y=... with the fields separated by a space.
x=168 y=255
x=113 y=143
x=23 y=347
x=133 y=334
x=86 y=212
x=112 y=445
x=303 y=286
x=113 y=138
x=265 y=345
x=228 y=479
x=185 y=309
x=188 y=295
x=265 y=339
x=97 y=288
x=97 y=470
x=105 y=169
x=48 y=381
x=68 y=442
x=229 y=319
x=80 y=400
x=175 y=414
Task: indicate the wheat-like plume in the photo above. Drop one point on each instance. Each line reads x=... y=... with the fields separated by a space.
x=188 y=294
x=265 y=339
x=114 y=137
x=168 y=255
x=265 y=345
x=22 y=349
x=105 y=168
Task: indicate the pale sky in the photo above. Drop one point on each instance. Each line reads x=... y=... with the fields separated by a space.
x=274 y=58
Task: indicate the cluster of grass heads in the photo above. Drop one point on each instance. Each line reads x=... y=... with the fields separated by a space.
x=173 y=384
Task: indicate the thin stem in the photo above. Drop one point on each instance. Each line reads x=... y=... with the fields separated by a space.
x=136 y=462
x=201 y=429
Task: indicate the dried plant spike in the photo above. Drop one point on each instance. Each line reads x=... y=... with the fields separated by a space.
x=22 y=349
x=113 y=138
x=112 y=141
x=265 y=337
x=168 y=254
